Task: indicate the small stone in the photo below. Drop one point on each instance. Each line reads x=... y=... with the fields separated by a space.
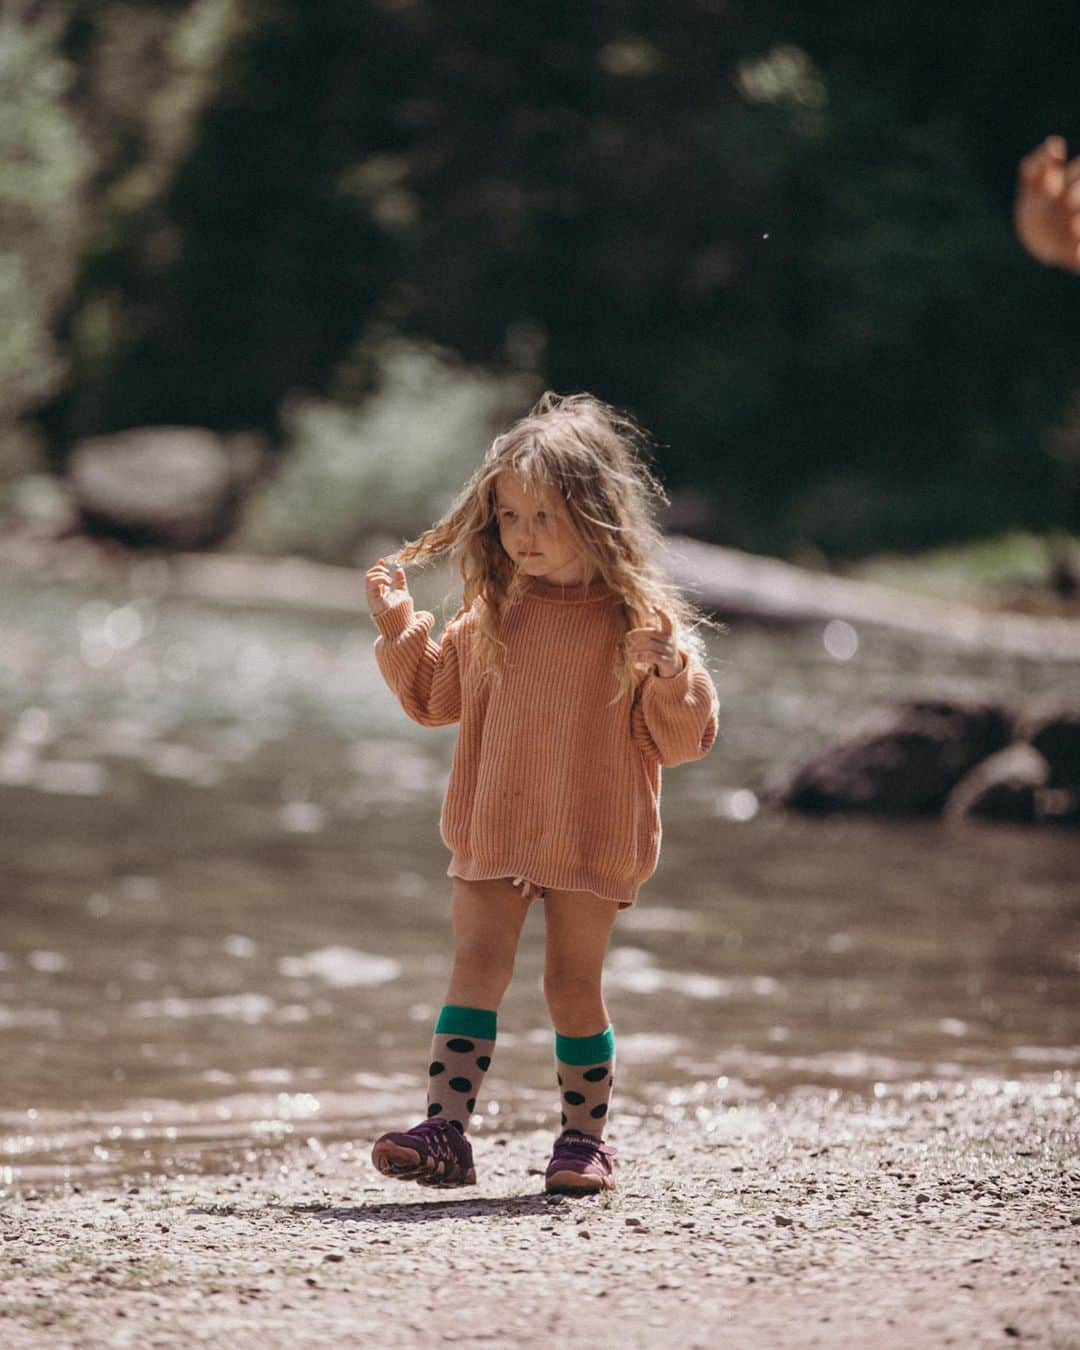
x=333 y=1256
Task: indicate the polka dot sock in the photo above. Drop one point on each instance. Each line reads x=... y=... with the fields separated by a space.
x=585 y=1067
x=460 y=1055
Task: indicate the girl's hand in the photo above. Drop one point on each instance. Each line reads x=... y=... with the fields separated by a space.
x=385 y=588
x=655 y=647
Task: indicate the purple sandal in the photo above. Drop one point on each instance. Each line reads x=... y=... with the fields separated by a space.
x=580 y=1163
x=433 y=1153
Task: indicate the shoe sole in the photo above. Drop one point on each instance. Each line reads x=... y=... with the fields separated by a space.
x=577 y=1183
x=405 y=1164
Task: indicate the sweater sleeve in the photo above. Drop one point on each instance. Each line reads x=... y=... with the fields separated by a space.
x=425 y=675
x=674 y=720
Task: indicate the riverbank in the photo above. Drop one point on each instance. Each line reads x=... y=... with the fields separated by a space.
x=934 y=1214
x=935 y=596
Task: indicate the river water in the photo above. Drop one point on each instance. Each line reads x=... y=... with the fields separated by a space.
x=226 y=915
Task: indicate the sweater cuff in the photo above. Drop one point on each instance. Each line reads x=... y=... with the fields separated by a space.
x=672 y=686
x=392 y=622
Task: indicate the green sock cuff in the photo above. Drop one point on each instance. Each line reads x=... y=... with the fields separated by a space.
x=454 y=1020
x=586 y=1049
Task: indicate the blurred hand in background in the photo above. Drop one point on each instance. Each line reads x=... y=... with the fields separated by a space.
x=1047 y=213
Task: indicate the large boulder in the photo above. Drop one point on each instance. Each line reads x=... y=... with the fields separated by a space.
x=900 y=760
x=1052 y=726
x=172 y=486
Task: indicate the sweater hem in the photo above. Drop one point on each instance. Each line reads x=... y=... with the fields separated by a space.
x=469 y=870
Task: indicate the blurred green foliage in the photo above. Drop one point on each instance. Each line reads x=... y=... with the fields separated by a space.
x=389 y=464
x=44 y=162
x=779 y=233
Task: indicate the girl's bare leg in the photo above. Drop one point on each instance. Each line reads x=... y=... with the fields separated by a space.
x=579 y=925
x=487 y=917
x=486 y=920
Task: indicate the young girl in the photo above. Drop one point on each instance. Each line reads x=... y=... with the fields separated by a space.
x=575 y=671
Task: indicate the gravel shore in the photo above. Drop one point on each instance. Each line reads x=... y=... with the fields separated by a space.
x=936 y=1214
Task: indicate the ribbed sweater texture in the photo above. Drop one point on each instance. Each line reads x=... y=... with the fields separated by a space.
x=547 y=781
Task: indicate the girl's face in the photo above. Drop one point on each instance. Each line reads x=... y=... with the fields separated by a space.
x=537 y=533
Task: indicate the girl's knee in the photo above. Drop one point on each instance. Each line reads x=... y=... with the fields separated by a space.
x=572 y=988
x=481 y=960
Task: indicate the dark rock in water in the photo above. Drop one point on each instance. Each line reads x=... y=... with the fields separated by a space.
x=899 y=760
x=171 y=486
x=1052 y=726
x=1005 y=786
x=1057 y=806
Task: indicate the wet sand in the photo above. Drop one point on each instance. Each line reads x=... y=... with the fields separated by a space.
x=932 y=1214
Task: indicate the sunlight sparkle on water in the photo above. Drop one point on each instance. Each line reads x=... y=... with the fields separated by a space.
x=738 y=804
x=341 y=967
x=840 y=639
x=122 y=627
x=33 y=726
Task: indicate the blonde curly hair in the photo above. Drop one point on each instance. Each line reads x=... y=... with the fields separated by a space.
x=593 y=456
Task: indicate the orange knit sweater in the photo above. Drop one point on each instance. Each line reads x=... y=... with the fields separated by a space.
x=548 y=783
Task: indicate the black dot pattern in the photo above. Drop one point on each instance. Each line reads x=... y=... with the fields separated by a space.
x=455 y=1076
x=586 y=1094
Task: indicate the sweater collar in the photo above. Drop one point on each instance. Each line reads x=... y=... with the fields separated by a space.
x=578 y=593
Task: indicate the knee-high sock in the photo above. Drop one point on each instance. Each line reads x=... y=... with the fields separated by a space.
x=461 y=1052
x=585 y=1067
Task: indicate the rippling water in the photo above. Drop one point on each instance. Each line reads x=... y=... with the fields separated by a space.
x=226 y=914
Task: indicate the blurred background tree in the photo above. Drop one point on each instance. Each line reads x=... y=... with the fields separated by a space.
x=780 y=235
x=45 y=162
